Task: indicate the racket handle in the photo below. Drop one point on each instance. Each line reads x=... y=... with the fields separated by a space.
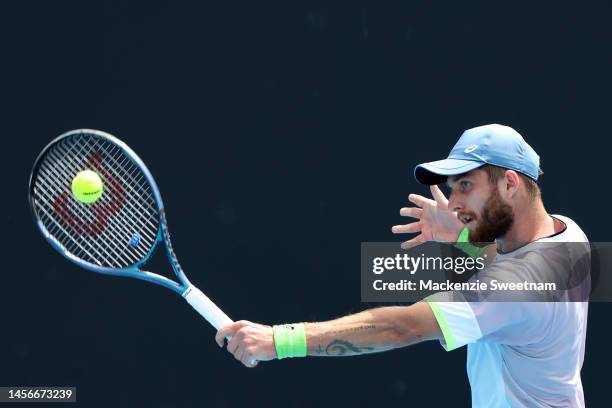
x=204 y=306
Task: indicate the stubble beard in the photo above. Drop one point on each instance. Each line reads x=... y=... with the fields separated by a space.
x=495 y=221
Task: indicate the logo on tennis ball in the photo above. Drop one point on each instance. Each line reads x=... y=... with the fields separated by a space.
x=87 y=186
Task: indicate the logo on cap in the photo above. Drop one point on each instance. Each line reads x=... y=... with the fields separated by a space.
x=471 y=148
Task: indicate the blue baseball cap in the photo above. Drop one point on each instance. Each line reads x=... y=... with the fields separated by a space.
x=497 y=145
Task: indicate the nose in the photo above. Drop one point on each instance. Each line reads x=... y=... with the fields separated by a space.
x=454 y=202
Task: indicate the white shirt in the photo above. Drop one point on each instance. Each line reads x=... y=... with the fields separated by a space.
x=524 y=354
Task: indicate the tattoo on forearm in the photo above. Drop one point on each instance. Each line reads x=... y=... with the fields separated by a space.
x=341 y=347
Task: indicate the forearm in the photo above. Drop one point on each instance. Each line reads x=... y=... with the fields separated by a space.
x=372 y=331
x=366 y=332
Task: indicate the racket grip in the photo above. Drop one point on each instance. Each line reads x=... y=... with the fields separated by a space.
x=204 y=306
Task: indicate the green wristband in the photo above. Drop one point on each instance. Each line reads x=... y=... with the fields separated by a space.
x=463 y=243
x=290 y=340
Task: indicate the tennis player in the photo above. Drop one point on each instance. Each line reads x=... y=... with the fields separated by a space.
x=520 y=354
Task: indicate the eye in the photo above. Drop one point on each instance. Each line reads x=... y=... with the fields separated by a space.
x=464 y=185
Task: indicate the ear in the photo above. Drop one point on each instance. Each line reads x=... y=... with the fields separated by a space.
x=511 y=182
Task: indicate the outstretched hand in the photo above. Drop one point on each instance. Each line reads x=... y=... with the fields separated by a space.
x=435 y=221
x=250 y=342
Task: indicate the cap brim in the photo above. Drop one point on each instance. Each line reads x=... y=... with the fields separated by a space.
x=438 y=171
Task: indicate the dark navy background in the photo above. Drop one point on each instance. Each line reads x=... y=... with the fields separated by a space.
x=281 y=137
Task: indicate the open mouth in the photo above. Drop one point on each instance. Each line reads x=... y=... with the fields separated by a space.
x=465 y=219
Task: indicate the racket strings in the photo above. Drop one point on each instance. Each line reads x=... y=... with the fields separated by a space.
x=69 y=217
x=118 y=230
x=97 y=220
x=104 y=209
x=63 y=206
x=144 y=205
x=77 y=241
x=145 y=202
x=150 y=226
x=102 y=215
x=83 y=246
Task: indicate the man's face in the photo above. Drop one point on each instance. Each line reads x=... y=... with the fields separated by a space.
x=479 y=206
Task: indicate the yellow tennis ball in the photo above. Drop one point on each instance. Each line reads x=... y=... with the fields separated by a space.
x=87 y=186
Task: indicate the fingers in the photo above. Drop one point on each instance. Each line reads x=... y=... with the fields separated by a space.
x=222 y=333
x=412 y=227
x=244 y=354
x=248 y=360
x=420 y=200
x=418 y=240
x=238 y=337
x=438 y=195
x=229 y=331
x=408 y=228
x=413 y=212
x=237 y=332
x=239 y=353
x=249 y=342
x=232 y=345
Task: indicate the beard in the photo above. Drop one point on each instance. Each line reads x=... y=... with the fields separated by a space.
x=495 y=221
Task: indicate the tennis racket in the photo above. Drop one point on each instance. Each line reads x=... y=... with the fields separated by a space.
x=118 y=233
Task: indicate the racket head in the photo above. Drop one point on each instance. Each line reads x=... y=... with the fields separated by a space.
x=118 y=233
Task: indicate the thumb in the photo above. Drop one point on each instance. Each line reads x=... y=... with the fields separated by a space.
x=227 y=331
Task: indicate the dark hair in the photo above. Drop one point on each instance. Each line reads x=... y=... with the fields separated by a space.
x=496 y=173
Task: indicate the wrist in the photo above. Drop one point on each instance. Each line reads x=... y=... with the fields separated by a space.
x=289 y=340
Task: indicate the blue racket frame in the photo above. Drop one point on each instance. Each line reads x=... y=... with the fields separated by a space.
x=133 y=271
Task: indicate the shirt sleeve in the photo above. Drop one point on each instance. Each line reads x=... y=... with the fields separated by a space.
x=512 y=323
x=456 y=319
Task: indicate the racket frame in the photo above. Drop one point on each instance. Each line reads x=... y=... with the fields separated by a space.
x=133 y=271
